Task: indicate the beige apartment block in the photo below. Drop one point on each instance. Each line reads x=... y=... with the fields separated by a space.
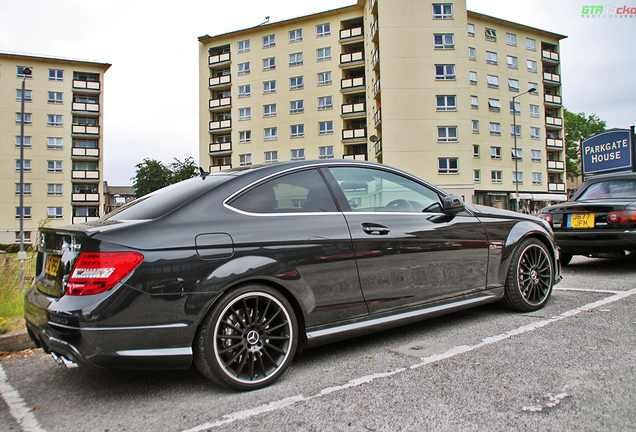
x=63 y=130
x=422 y=86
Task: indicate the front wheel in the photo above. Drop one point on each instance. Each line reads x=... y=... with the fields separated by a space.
x=248 y=339
x=530 y=277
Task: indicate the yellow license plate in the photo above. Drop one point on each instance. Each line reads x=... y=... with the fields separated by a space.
x=52 y=265
x=581 y=220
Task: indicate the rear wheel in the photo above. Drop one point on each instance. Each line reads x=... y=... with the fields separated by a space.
x=248 y=338
x=530 y=277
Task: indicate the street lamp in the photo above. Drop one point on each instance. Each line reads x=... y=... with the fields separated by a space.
x=533 y=91
x=26 y=72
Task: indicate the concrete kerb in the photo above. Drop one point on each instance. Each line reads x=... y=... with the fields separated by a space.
x=15 y=341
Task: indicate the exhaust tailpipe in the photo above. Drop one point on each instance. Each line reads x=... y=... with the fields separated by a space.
x=63 y=361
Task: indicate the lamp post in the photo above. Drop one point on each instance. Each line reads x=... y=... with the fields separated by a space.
x=514 y=134
x=26 y=72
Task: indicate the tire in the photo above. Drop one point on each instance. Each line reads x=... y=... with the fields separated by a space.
x=248 y=339
x=565 y=258
x=530 y=277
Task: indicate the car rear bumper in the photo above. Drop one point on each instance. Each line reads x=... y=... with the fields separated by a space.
x=596 y=241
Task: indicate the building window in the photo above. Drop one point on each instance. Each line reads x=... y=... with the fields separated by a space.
x=27 y=141
x=269 y=41
x=325 y=152
x=496 y=177
x=54 y=212
x=476 y=151
x=536 y=155
x=325 y=103
x=517 y=154
x=297 y=131
x=495 y=129
x=296 y=107
x=54 y=189
x=323 y=54
x=54 y=143
x=269 y=63
x=494 y=105
x=471 y=30
x=26 y=212
x=245 y=113
x=444 y=41
x=21 y=74
x=296 y=83
x=325 y=128
x=474 y=102
x=495 y=152
x=271 y=134
x=296 y=59
x=56 y=75
x=515 y=108
x=475 y=126
x=28 y=95
x=513 y=85
x=477 y=176
x=517 y=177
x=26 y=166
x=324 y=78
x=323 y=30
x=472 y=53
x=245 y=159
x=473 y=78
x=245 y=91
x=444 y=72
x=446 y=103
x=54 y=166
x=269 y=87
x=244 y=68
x=28 y=118
x=55 y=97
x=491 y=57
x=531 y=44
x=269 y=110
x=245 y=137
x=535 y=133
x=54 y=120
x=536 y=178
x=244 y=46
x=533 y=88
x=532 y=65
x=298 y=154
x=271 y=157
x=447 y=133
x=296 y=35
x=511 y=39
x=515 y=130
x=447 y=166
x=534 y=110
x=443 y=11
x=512 y=62
x=491 y=35
x=27 y=189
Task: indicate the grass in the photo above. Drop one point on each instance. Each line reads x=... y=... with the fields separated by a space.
x=12 y=293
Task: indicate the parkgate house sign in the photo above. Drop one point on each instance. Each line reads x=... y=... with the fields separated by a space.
x=608 y=152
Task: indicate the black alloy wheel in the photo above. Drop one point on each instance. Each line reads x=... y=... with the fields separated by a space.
x=530 y=277
x=248 y=338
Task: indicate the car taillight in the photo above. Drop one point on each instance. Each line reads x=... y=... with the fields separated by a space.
x=623 y=216
x=96 y=272
x=546 y=217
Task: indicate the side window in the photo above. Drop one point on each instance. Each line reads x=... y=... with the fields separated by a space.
x=303 y=191
x=371 y=190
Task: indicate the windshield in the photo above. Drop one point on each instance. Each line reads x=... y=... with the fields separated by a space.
x=620 y=188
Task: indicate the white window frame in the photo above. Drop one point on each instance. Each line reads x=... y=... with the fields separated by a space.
x=476 y=176
x=54 y=212
x=270 y=134
x=537 y=178
x=445 y=72
x=296 y=59
x=243 y=46
x=325 y=128
x=472 y=75
x=474 y=102
x=534 y=110
x=323 y=30
x=26 y=166
x=472 y=53
x=297 y=154
x=444 y=41
x=495 y=129
x=491 y=57
x=448 y=102
x=475 y=126
x=517 y=129
x=511 y=84
x=27 y=189
x=532 y=65
x=476 y=151
x=531 y=44
x=245 y=91
x=54 y=120
x=324 y=78
x=448 y=166
x=54 y=189
x=245 y=159
x=494 y=105
x=295 y=35
x=442 y=11
x=297 y=106
x=269 y=63
x=325 y=103
x=512 y=62
x=491 y=35
x=511 y=39
x=55 y=97
x=535 y=133
x=297 y=131
x=517 y=108
x=536 y=155
x=269 y=87
x=244 y=68
x=269 y=41
x=296 y=83
x=517 y=177
x=245 y=113
x=54 y=166
x=28 y=118
x=323 y=54
x=28 y=95
x=245 y=136
x=269 y=110
x=496 y=177
x=495 y=152
x=271 y=156
x=28 y=142
x=54 y=143
x=471 y=30
x=447 y=134
x=517 y=154
x=56 y=75
x=325 y=152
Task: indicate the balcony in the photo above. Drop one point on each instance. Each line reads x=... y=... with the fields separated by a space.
x=85 y=175
x=374 y=30
x=354 y=134
x=549 y=56
x=215 y=60
x=556 y=122
x=85 y=197
x=81 y=152
x=556 y=166
x=376 y=89
x=551 y=77
x=377 y=148
x=85 y=129
x=361 y=156
x=221 y=81
x=86 y=107
x=84 y=219
x=556 y=187
x=353 y=58
x=351 y=34
x=350 y=110
x=352 y=84
x=377 y=117
x=375 y=59
x=220 y=103
x=220 y=125
x=86 y=85
x=217 y=168
x=220 y=148
x=552 y=99
x=554 y=143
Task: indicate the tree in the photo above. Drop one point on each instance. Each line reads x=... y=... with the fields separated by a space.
x=152 y=175
x=184 y=170
x=578 y=128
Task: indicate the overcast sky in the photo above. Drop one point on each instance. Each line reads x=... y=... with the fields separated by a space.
x=151 y=95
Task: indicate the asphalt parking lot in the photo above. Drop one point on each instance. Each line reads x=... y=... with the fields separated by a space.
x=570 y=366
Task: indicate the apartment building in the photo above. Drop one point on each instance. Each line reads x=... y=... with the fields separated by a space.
x=469 y=102
x=62 y=148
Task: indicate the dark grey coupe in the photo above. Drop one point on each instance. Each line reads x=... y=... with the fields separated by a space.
x=236 y=271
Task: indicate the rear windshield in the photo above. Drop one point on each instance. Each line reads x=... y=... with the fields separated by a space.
x=164 y=201
x=620 y=188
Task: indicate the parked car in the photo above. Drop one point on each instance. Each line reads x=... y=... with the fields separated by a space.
x=236 y=271
x=599 y=220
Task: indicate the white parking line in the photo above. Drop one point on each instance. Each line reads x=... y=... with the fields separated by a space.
x=19 y=410
x=282 y=403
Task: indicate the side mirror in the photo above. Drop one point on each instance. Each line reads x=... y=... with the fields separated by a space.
x=452 y=204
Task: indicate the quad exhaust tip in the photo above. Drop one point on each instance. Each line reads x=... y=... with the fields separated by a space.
x=63 y=361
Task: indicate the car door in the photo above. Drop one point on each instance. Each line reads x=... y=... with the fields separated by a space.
x=408 y=252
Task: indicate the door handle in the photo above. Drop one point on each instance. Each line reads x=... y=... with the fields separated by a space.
x=375 y=229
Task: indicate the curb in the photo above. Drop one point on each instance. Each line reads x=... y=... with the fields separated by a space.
x=15 y=341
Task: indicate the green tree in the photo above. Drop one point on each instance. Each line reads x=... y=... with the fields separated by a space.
x=151 y=175
x=578 y=127
x=184 y=170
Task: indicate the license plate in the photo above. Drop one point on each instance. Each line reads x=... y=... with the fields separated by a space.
x=581 y=220
x=52 y=265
